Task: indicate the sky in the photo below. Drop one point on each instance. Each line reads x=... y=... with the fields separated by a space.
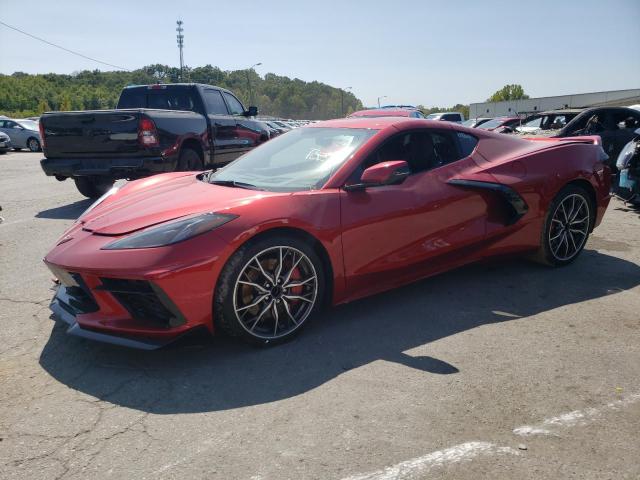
x=434 y=53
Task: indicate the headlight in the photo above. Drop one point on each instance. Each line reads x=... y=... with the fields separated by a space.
x=171 y=232
x=111 y=191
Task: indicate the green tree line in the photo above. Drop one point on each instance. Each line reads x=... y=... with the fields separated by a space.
x=23 y=95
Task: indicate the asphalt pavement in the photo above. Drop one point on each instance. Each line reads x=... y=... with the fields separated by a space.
x=501 y=370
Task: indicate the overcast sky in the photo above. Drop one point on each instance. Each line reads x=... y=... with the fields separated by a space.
x=415 y=52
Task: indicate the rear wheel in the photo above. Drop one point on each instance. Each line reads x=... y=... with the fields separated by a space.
x=567 y=227
x=269 y=290
x=33 y=144
x=189 y=161
x=93 y=187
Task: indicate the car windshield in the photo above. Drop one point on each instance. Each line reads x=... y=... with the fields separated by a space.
x=28 y=124
x=434 y=116
x=536 y=122
x=496 y=122
x=302 y=159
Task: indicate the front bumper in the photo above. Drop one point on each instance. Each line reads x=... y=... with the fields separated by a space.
x=111 y=167
x=146 y=297
x=62 y=310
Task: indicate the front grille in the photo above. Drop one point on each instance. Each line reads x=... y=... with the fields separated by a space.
x=144 y=301
x=79 y=298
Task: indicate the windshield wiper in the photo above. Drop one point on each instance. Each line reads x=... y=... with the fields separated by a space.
x=233 y=183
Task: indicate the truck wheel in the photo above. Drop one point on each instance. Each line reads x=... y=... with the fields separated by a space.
x=93 y=187
x=189 y=161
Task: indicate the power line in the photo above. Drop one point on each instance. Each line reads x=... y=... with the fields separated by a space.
x=61 y=48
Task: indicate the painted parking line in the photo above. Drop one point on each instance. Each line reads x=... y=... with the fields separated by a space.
x=416 y=468
x=550 y=426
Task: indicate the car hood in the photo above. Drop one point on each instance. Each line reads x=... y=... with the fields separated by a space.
x=157 y=200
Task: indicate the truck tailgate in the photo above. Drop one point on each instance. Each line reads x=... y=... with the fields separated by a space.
x=92 y=133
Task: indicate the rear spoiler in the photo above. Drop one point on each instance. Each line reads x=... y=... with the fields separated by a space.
x=591 y=139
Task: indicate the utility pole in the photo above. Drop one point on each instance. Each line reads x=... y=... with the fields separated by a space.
x=180 y=38
x=383 y=96
x=342 y=100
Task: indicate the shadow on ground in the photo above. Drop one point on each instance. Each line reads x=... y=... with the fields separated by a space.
x=224 y=374
x=66 y=212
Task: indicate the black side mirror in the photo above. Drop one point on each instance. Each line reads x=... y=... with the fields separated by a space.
x=252 y=112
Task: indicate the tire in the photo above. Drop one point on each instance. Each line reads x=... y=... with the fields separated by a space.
x=33 y=144
x=567 y=226
x=16 y=149
x=272 y=313
x=189 y=161
x=92 y=187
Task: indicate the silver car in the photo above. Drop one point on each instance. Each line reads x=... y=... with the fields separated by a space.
x=5 y=143
x=23 y=133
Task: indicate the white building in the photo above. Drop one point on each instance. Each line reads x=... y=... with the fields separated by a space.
x=532 y=105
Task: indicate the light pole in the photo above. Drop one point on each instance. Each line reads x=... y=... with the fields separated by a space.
x=342 y=90
x=180 y=38
x=249 y=80
x=384 y=96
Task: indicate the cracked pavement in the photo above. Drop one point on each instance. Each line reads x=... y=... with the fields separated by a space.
x=463 y=357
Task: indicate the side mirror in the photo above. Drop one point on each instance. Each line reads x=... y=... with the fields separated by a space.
x=385 y=173
x=252 y=112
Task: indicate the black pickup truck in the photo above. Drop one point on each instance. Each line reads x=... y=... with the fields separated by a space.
x=154 y=129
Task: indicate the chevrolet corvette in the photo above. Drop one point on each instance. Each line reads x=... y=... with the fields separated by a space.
x=322 y=215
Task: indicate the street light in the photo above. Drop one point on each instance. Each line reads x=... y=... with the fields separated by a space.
x=249 y=80
x=384 y=96
x=342 y=90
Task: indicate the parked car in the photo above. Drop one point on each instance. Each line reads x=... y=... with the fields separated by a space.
x=154 y=129
x=325 y=214
x=475 y=122
x=456 y=117
x=279 y=128
x=550 y=120
x=273 y=132
x=5 y=143
x=628 y=165
x=500 y=124
x=616 y=127
x=388 y=112
x=23 y=133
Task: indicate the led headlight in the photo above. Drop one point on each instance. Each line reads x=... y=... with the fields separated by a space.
x=110 y=192
x=171 y=232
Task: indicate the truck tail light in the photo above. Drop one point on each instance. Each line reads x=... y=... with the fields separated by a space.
x=41 y=128
x=147 y=133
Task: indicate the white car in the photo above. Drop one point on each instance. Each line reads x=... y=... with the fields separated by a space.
x=456 y=117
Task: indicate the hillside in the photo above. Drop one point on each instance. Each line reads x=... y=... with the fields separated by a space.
x=24 y=94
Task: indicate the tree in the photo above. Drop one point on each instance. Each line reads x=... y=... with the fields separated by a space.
x=509 y=92
x=43 y=106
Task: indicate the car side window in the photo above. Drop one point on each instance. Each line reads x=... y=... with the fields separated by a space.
x=235 y=107
x=214 y=102
x=422 y=150
x=467 y=143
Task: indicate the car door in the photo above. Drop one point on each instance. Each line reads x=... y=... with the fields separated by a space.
x=396 y=233
x=249 y=133
x=223 y=129
x=16 y=133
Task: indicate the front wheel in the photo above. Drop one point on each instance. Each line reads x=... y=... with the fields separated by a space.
x=269 y=290
x=93 y=187
x=567 y=226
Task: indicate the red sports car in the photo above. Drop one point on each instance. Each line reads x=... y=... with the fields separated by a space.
x=323 y=214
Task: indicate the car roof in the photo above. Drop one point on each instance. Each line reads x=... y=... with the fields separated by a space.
x=374 y=123
x=383 y=112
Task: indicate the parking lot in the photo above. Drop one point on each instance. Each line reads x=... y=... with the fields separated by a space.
x=499 y=370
